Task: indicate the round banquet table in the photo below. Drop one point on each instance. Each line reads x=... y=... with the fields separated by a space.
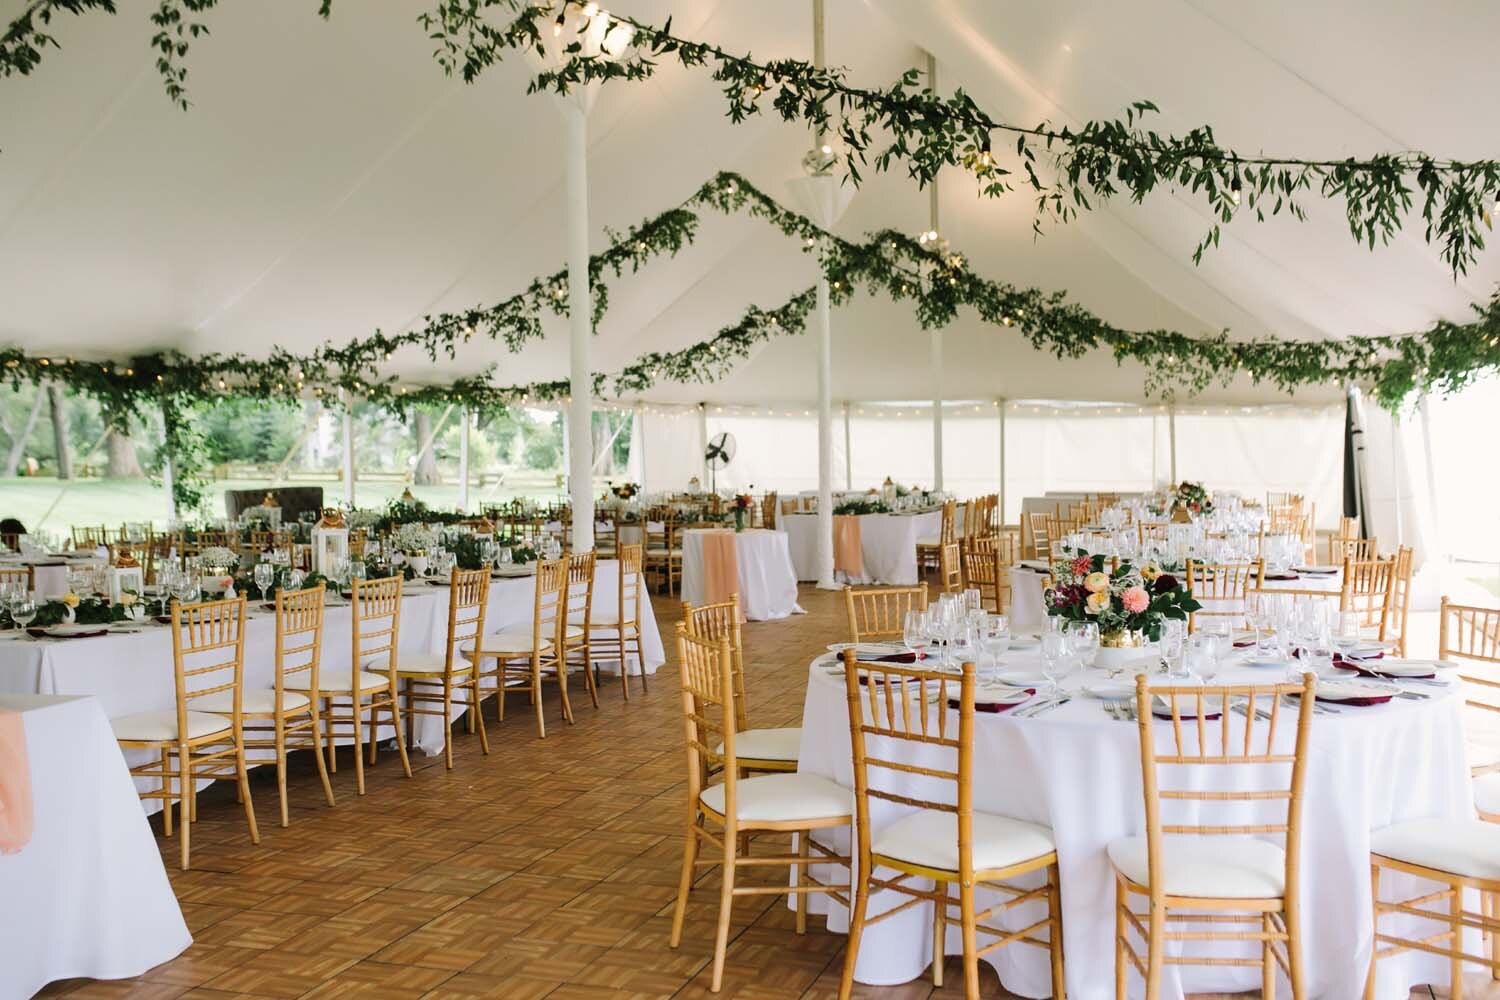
x=767 y=583
x=1077 y=770
x=1026 y=610
x=888 y=545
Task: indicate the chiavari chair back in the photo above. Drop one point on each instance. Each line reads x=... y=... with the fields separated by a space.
x=726 y=814
x=526 y=655
x=879 y=613
x=768 y=510
x=1222 y=588
x=208 y=664
x=1151 y=531
x=1470 y=636
x=1398 y=617
x=1366 y=590
x=1340 y=549
x=436 y=683
x=578 y=612
x=986 y=571
x=1207 y=857
x=940 y=836
x=1275 y=499
x=790 y=505
x=950 y=569
x=1041 y=535
x=359 y=541
x=929 y=548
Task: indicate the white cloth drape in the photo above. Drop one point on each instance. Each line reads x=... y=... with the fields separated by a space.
x=768 y=586
x=887 y=542
x=87 y=896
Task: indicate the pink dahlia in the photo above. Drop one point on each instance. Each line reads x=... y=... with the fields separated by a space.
x=1082 y=565
x=1135 y=600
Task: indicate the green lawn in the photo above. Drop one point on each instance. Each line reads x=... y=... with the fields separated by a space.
x=50 y=505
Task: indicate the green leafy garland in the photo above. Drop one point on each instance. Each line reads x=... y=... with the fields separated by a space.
x=915 y=126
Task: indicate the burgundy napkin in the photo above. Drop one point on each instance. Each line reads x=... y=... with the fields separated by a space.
x=1282 y=576
x=993 y=706
x=895 y=658
x=1364 y=671
x=1244 y=644
x=1372 y=700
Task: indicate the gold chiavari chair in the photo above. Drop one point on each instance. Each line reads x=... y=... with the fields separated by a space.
x=1366 y=591
x=879 y=613
x=1041 y=539
x=1340 y=549
x=578 y=610
x=607 y=542
x=20 y=577
x=944 y=839
x=666 y=558
x=208 y=659
x=1222 y=589
x=162 y=550
x=436 y=682
x=1470 y=636
x=1397 y=618
x=277 y=718
x=1220 y=877
x=985 y=572
x=359 y=540
x=529 y=653
x=768 y=511
x=1151 y=531
x=790 y=505
x=1283 y=499
x=729 y=814
x=930 y=549
x=375 y=607
x=616 y=631
x=950 y=569
x=757 y=750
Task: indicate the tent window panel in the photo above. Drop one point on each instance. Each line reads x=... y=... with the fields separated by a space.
x=1252 y=452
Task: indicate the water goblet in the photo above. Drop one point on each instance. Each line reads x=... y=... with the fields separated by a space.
x=1054 y=659
x=263 y=576
x=1083 y=642
x=915 y=633
x=23 y=612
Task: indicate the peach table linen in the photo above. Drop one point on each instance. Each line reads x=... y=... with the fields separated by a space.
x=848 y=555
x=16 y=819
x=721 y=567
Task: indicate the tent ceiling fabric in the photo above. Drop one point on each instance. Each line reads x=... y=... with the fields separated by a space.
x=330 y=180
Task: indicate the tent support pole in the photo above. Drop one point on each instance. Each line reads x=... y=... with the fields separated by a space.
x=638 y=433
x=348 y=450
x=848 y=452
x=1439 y=543
x=1172 y=440
x=580 y=324
x=705 y=472
x=1000 y=415
x=826 y=580
x=463 y=459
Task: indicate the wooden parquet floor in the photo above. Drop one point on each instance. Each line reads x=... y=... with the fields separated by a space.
x=545 y=870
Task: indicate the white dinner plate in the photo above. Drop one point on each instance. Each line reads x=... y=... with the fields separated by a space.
x=992 y=695
x=1110 y=690
x=1022 y=678
x=868 y=649
x=1317 y=570
x=1396 y=667
x=1265 y=661
x=1353 y=690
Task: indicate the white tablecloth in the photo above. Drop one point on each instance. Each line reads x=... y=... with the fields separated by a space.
x=1026 y=610
x=131 y=673
x=1078 y=771
x=50 y=576
x=887 y=542
x=768 y=585
x=88 y=896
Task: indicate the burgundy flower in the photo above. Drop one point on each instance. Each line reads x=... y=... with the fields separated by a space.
x=1166 y=583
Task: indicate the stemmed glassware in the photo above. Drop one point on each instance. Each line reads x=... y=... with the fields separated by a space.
x=264 y=575
x=22 y=611
x=1054 y=659
x=914 y=632
x=994 y=639
x=1083 y=642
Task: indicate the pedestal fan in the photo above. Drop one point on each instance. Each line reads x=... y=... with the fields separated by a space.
x=718 y=454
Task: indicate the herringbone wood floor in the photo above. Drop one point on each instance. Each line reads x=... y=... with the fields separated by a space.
x=547 y=869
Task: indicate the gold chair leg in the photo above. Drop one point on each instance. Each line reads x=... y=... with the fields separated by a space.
x=399 y=727
x=536 y=697
x=447 y=723
x=856 y=931
x=971 y=940
x=317 y=738
x=939 y=933
x=166 y=787
x=624 y=664
x=1267 y=962
x=185 y=814
x=1156 y=951
x=640 y=654
x=331 y=716
x=281 y=771
x=357 y=703
x=726 y=910
x=1456 y=967
x=685 y=884
x=588 y=675
x=561 y=665
x=242 y=773
x=1055 y=931
x=477 y=717
x=1121 y=901
x=1375 y=924
x=802 y=880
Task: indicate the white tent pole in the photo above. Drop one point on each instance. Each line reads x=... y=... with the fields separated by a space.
x=580 y=323
x=703 y=443
x=1397 y=480
x=848 y=452
x=348 y=449
x=1000 y=413
x=1172 y=440
x=639 y=434
x=936 y=358
x=826 y=579
x=1438 y=542
x=463 y=460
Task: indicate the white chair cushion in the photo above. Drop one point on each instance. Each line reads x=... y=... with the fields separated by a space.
x=767 y=744
x=1487 y=793
x=429 y=663
x=1216 y=867
x=783 y=798
x=338 y=682
x=929 y=837
x=261 y=701
x=598 y=618
x=152 y=727
x=1468 y=847
x=513 y=641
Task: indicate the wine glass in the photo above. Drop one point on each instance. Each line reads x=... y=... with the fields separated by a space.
x=1201 y=656
x=914 y=632
x=1054 y=659
x=994 y=638
x=487 y=552
x=185 y=588
x=23 y=612
x=506 y=557
x=961 y=641
x=294 y=578
x=1083 y=642
x=263 y=576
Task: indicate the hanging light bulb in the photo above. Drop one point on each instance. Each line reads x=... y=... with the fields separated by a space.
x=618 y=39
x=557 y=26
x=1234 y=188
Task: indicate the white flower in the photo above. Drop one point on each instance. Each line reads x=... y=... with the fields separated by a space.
x=412 y=538
x=218 y=555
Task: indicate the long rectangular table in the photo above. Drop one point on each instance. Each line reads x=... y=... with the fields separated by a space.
x=132 y=672
x=888 y=544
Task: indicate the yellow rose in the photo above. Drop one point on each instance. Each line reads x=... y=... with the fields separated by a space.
x=1150 y=571
x=1097 y=602
x=1096 y=583
x=127 y=598
x=70 y=599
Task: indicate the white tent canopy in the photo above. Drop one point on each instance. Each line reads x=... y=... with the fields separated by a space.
x=330 y=180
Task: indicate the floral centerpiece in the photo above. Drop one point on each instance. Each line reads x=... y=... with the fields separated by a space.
x=414 y=541
x=740 y=508
x=625 y=491
x=217 y=565
x=1128 y=604
x=1193 y=497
